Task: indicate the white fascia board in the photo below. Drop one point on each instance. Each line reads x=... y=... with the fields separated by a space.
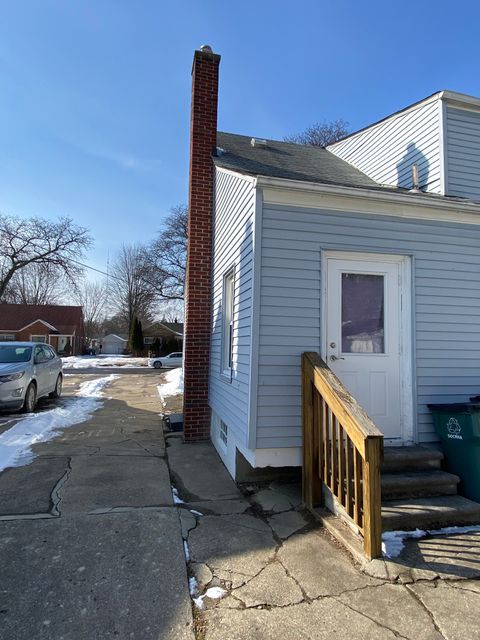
x=237 y=174
x=49 y=326
x=461 y=100
x=368 y=201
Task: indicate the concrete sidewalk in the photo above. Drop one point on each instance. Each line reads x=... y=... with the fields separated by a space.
x=92 y=547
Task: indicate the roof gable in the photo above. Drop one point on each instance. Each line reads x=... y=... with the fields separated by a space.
x=14 y=317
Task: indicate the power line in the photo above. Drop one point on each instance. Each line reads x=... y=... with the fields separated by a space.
x=87 y=266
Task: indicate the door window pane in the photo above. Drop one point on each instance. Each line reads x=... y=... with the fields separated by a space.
x=363 y=313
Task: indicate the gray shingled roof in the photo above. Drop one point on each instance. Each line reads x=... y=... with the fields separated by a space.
x=287 y=160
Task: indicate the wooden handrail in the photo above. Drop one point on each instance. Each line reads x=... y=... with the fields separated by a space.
x=342 y=449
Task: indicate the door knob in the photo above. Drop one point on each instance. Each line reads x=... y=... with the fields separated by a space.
x=333 y=358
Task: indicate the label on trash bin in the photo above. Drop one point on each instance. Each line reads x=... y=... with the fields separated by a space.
x=454 y=429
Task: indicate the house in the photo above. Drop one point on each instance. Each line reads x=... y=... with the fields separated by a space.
x=168 y=334
x=113 y=344
x=371 y=249
x=59 y=325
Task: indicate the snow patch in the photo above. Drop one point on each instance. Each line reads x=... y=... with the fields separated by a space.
x=193 y=586
x=214 y=593
x=393 y=542
x=87 y=362
x=15 y=443
x=196 y=513
x=175 y=496
x=186 y=551
x=199 y=602
x=172 y=386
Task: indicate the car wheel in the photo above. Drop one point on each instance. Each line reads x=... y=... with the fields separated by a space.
x=157 y=365
x=57 y=392
x=30 y=398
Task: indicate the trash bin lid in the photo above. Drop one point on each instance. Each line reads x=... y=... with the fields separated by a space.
x=456 y=407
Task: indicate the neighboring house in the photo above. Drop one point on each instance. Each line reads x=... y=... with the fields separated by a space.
x=58 y=325
x=168 y=334
x=113 y=344
x=367 y=252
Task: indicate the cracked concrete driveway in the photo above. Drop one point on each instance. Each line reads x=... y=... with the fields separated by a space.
x=92 y=547
x=90 y=542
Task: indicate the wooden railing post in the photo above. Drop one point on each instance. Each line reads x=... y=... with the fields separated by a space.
x=311 y=484
x=343 y=448
x=372 y=498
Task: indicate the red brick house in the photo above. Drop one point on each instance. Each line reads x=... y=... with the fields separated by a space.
x=58 y=325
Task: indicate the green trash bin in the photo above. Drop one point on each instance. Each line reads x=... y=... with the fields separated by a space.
x=458 y=426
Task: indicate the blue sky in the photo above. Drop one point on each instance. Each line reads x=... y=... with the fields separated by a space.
x=94 y=95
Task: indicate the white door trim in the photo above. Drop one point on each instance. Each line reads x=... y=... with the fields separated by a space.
x=407 y=416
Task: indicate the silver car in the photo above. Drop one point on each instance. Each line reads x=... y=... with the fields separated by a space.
x=28 y=371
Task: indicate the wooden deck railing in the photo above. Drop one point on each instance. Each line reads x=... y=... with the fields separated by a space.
x=342 y=449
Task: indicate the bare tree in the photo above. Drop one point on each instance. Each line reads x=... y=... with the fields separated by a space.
x=131 y=289
x=36 y=283
x=166 y=257
x=321 y=134
x=92 y=297
x=171 y=311
x=26 y=241
x=115 y=324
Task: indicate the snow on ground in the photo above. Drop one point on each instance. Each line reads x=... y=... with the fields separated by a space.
x=214 y=593
x=85 y=362
x=15 y=443
x=393 y=542
x=173 y=385
x=176 y=497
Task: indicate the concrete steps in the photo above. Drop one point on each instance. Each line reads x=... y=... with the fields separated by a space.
x=416 y=493
x=418 y=484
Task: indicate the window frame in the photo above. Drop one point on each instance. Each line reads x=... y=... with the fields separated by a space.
x=228 y=300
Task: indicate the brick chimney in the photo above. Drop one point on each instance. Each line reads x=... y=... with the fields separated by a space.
x=203 y=141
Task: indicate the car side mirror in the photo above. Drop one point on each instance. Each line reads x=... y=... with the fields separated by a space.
x=37 y=360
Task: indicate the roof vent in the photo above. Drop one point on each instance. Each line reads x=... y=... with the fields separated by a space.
x=415 y=183
x=258 y=142
x=206 y=48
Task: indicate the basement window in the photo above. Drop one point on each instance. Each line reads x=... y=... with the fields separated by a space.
x=227 y=322
x=223 y=429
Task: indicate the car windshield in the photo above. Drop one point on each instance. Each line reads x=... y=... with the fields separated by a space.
x=10 y=354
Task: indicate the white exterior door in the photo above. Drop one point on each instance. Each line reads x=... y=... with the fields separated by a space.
x=363 y=334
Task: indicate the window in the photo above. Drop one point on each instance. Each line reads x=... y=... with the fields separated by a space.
x=148 y=340
x=38 y=338
x=5 y=337
x=227 y=322
x=223 y=432
x=49 y=353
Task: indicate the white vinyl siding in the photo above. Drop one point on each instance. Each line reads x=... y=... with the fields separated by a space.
x=446 y=274
x=233 y=248
x=463 y=153
x=386 y=151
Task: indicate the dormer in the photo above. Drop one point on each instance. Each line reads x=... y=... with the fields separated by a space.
x=440 y=135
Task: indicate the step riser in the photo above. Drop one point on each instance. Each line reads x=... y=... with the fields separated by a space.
x=417 y=458
x=422 y=491
x=397 y=466
x=404 y=523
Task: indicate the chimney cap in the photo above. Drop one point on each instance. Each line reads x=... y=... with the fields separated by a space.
x=206 y=48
